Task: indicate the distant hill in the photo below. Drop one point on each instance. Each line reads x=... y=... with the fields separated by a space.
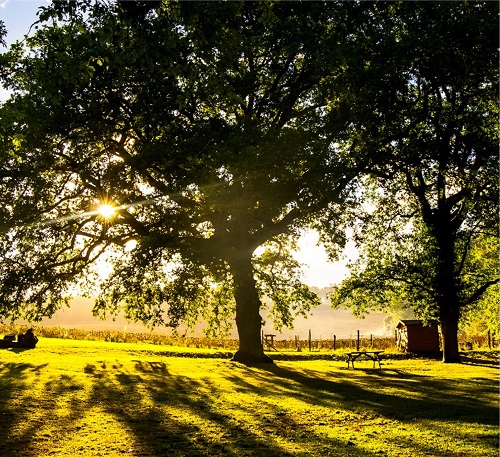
x=325 y=322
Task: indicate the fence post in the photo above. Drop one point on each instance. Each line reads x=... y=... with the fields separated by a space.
x=357 y=343
x=309 y=340
x=297 y=343
x=334 y=342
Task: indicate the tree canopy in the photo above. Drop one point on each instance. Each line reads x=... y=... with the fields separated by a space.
x=211 y=128
x=431 y=204
x=175 y=138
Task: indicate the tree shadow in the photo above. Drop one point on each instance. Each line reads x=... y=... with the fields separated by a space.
x=480 y=362
x=165 y=414
x=177 y=411
x=13 y=416
x=171 y=414
x=397 y=395
x=420 y=396
x=17 y=350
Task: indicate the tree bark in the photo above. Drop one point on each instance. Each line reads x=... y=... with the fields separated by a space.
x=449 y=312
x=248 y=319
x=447 y=289
x=449 y=328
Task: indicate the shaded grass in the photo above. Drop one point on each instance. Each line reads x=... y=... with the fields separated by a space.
x=93 y=398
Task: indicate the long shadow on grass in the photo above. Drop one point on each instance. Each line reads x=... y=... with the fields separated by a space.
x=167 y=414
x=393 y=395
x=176 y=416
x=418 y=396
x=13 y=379
x=479 y=362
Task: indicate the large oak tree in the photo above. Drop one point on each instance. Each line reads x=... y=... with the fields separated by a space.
x=211 y=128
x=214 y=128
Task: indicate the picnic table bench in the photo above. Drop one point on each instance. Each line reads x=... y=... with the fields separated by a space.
x=269 y=341
x=26 y=341
x=372 y=355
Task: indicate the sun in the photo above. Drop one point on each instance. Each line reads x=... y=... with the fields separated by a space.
x=106 y=211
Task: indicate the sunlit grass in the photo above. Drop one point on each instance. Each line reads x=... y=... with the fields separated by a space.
x=68 y=398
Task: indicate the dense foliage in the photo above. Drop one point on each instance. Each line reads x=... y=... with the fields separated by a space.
x=429 y=229
x=212 y=129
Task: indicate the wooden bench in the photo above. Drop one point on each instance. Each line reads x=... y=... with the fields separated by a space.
x=371 y=355
x=26 y=341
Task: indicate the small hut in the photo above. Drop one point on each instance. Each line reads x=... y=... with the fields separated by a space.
x=414 y=336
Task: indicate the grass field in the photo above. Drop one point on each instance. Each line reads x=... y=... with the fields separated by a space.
x=90 y=398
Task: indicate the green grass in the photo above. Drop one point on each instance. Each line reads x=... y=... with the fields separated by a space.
x=89 y=398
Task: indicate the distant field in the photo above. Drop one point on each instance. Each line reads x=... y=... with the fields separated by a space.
x=88 y=398
x=229 y=344
x=324 y=322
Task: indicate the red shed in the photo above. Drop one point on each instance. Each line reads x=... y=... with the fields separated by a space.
x=414 y=336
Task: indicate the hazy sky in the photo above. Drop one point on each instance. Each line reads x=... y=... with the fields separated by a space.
x=19 y=15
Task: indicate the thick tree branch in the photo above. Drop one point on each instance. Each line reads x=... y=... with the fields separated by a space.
x=481 y=290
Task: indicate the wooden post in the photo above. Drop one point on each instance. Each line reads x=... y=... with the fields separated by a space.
x=297 y=343
x=309 y=340
x=334 y=342
x=357 y=343
x=489 y=339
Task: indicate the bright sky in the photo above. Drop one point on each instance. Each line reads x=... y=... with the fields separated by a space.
x=318 y=270
x=19 y=15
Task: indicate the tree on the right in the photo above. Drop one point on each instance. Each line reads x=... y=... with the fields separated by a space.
x=427 y=228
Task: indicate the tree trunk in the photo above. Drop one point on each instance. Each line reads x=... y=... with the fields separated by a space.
x=449 y=328
x=248 y=319
x=448 y=302
x=449 y=312
x=447 y=283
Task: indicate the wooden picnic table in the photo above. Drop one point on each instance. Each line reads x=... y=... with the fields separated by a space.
x=372 y=355
x=269 y=341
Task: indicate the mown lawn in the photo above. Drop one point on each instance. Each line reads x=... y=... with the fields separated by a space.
x=68 y=398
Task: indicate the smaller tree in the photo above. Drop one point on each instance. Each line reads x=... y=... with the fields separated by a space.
x=433 y=196
x=398 y=266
